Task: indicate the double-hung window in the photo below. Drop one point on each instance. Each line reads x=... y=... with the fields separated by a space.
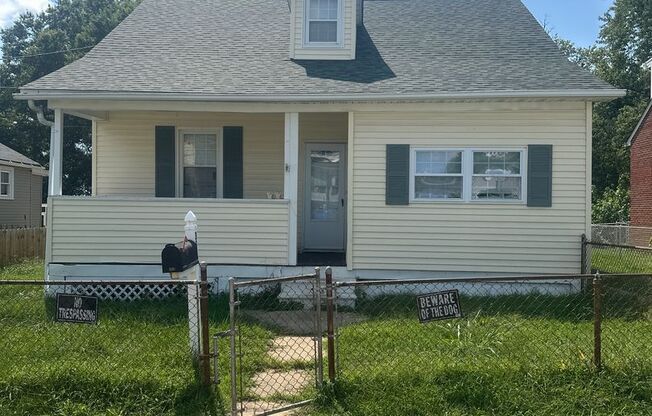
x=6 y=183
x=200 y=167
x=323 y=22
x=438 y=174
x=497 y=176
x=469 y=175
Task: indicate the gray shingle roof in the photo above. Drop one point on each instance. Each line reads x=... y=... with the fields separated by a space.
x=407 y=47
x=7 y=154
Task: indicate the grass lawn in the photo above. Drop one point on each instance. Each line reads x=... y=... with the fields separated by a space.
x=136 y=361
x=24 y=270
x=525 y=355
x=621 y=260
x=516 y=354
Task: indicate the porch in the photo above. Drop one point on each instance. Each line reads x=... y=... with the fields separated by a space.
x=249 y=178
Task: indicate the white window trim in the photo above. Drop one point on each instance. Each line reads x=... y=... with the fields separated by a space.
x=219 y=158
x=12 y=182
x=306 y=27
x=467 y=174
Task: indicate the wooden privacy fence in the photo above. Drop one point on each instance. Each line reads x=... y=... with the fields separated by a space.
x=20 y=243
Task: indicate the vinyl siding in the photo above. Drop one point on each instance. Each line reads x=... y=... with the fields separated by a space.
x=24 y=210
x=316 y=128
x=96 y=230
x=471 y=237
x=124 y=150
x=346 y=51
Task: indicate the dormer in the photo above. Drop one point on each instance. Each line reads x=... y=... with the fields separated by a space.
x=323 y=29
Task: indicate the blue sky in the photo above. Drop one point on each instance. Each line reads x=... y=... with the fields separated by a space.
x=576 y=20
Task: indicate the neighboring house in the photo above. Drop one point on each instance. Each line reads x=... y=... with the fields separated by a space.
x=640 y=144
x=21 y=190
x=419 y=137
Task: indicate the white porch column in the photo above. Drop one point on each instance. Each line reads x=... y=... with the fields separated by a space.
x=291 y=180
x=56 y=155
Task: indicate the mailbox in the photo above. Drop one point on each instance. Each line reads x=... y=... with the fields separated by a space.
x=179 y=257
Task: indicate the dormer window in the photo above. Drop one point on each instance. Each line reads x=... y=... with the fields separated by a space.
x=323 y=22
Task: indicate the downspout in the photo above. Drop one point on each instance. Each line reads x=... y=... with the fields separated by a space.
x=39 y=114
x=48 y=238
x=41 y=118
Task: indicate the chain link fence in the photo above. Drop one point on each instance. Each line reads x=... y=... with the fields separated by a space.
x=62 y=352
x=276 y=349
x=621 y=234
x=615 y=259
x=400 y=334
x=520 y=323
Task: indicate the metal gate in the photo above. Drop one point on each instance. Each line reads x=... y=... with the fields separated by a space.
x=276 y=343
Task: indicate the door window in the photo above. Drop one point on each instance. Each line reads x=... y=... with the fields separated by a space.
x=324 y=185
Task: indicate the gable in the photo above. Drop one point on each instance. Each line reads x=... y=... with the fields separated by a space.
x=645 y=123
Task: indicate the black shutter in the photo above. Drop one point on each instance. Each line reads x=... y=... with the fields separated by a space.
x=539 y=175
x=397 y=174
x=165 y=161
x=233 y=165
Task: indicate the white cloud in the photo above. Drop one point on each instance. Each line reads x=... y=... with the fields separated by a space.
x=10 y=9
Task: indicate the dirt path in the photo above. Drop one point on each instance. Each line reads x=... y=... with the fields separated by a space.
x=270 y=384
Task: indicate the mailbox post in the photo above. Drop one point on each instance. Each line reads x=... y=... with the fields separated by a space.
x=181 y=261
x=191 y=226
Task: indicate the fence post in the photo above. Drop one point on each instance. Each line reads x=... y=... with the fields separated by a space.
x=232 y=329
x=597 y=322
x=205 y=353
x=318 y=328
x=193 y=318
x=583 y=257
x=330 y=324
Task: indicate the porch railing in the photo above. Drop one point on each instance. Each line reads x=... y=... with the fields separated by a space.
x=134 y=230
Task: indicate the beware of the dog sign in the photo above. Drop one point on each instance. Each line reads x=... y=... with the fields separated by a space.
x=440 y=305
x=76 y=309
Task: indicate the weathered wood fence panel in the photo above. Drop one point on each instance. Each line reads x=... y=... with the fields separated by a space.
x=20 y=243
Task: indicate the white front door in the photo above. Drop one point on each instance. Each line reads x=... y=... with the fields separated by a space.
x=324 y=210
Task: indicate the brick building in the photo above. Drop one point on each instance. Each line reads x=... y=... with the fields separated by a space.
x=640 y=144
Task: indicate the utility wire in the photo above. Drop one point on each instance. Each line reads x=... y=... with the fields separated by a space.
x=45 y=54
x=56 y=52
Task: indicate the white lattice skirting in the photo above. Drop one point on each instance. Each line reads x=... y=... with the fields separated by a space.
x=130 y=292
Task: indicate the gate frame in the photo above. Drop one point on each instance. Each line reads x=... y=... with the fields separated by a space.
x=234 y=284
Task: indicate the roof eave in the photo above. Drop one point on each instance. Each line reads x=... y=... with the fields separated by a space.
x=639 y=125
x=35 y=167
x=581 y=94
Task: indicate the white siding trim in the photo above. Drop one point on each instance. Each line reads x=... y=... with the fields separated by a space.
x=350 y=195
x=56 y=154
x=291 y=181
x=262 y=108
x=93 y=158
x=321 y=99
x=589 y=167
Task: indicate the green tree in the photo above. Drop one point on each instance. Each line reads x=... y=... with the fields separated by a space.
x=30 y=49
x=624 y=44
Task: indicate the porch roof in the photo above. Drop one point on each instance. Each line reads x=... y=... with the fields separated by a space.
x=230 y=49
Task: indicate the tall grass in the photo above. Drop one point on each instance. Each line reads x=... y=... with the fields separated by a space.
x=528 y=354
